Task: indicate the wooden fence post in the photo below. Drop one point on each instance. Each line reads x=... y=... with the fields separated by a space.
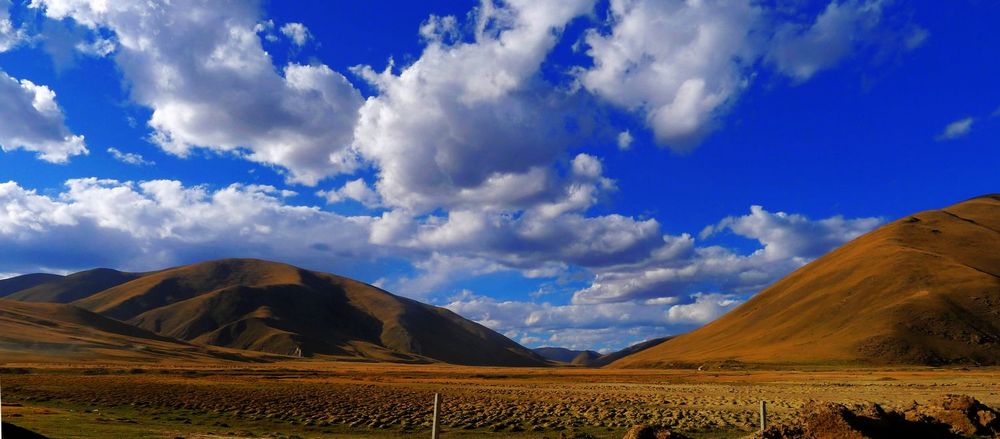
x=763 y=416
x=437 y=412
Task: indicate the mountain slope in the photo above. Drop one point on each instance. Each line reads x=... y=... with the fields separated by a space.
x=607 y=359
x=924 y=289
x=17 y=283
x=272 y=307
x=52 y=332
x=561 y=355
x=65 y=289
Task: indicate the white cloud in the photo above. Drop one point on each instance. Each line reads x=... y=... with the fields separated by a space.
x=956 y=129
x=202 y=70
x=99 y=47
x=625 y=140
x=297 y=32
x=800 y=50
x=680 y=64
x=676 y=62
x=704 y=309
x=33 y=121
x=129 y=157
x=471 y=123
x=158 y=223
x=787 y=241
x=10 y=36
x=356 y=190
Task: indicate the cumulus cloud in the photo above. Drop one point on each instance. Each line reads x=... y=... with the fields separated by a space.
x=297 y=32
x=203 y=72
x=681 y=64
x=129 y=157
x=157 y=223
x=575 y=326
x=356 y=190
x=787 y=242
x=676 y=62
x=704 y=309
x=33 y=121
x=470 y=122
x=956 y=129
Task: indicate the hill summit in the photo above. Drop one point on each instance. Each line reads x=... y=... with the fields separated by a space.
x=257 y=305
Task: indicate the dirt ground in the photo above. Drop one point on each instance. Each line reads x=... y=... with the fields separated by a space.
x=317 y=399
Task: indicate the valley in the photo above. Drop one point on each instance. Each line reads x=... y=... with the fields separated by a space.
x=311 y=399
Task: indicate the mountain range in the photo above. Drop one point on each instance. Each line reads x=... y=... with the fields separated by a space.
x=268 y=307
x=924 y=289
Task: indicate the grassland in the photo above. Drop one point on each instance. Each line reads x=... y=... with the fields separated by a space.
x=321 y=399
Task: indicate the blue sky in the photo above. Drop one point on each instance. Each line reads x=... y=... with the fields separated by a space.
x=580 y=173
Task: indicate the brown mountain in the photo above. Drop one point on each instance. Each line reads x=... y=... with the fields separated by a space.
x=46 y=332
x=65 y=289
x=924 y=289
x=277 y=308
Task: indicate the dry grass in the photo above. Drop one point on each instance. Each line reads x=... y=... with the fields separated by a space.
x=312 y=399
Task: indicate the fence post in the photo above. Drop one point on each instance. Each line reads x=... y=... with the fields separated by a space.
x=763 y=416
x=437 y=411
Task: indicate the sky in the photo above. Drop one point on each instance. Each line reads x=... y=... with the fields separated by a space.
x=577 y=173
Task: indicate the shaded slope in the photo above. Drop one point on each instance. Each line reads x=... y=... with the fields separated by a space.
x=920 y=290
x=65 y=289
x=607 y=359
x=17 y=283
x=592 y=358
x=561 y=355
x=278 y=308
x=51 y=332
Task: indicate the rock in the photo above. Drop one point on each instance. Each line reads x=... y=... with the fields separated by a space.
x=652 y=432
x=963 y=414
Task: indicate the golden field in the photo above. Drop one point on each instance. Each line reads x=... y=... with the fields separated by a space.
x=310 y=399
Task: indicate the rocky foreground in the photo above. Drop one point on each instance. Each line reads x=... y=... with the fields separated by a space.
x=949 y=416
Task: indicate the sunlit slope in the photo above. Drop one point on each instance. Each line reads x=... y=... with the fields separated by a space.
x=921 y=290
x=277 y=308
x=50 y=332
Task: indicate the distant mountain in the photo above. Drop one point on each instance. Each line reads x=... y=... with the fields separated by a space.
x=593 y=358
x=46 y=332
x=561 y=355
x=607 y=359
x=585 y=358
x=65 y=289
x=277 y=308
x=924 y=289
x=17 y=283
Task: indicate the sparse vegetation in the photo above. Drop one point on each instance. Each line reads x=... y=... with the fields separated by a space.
x=324 y=400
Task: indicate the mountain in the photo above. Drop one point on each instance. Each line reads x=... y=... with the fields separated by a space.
x=585 y=358
x=45 y=332
x=65 y=289
x=924 y=289
x=592 y=358
x=277 y=308
x=17 y=283
x=561 y=355
x=607 y=359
